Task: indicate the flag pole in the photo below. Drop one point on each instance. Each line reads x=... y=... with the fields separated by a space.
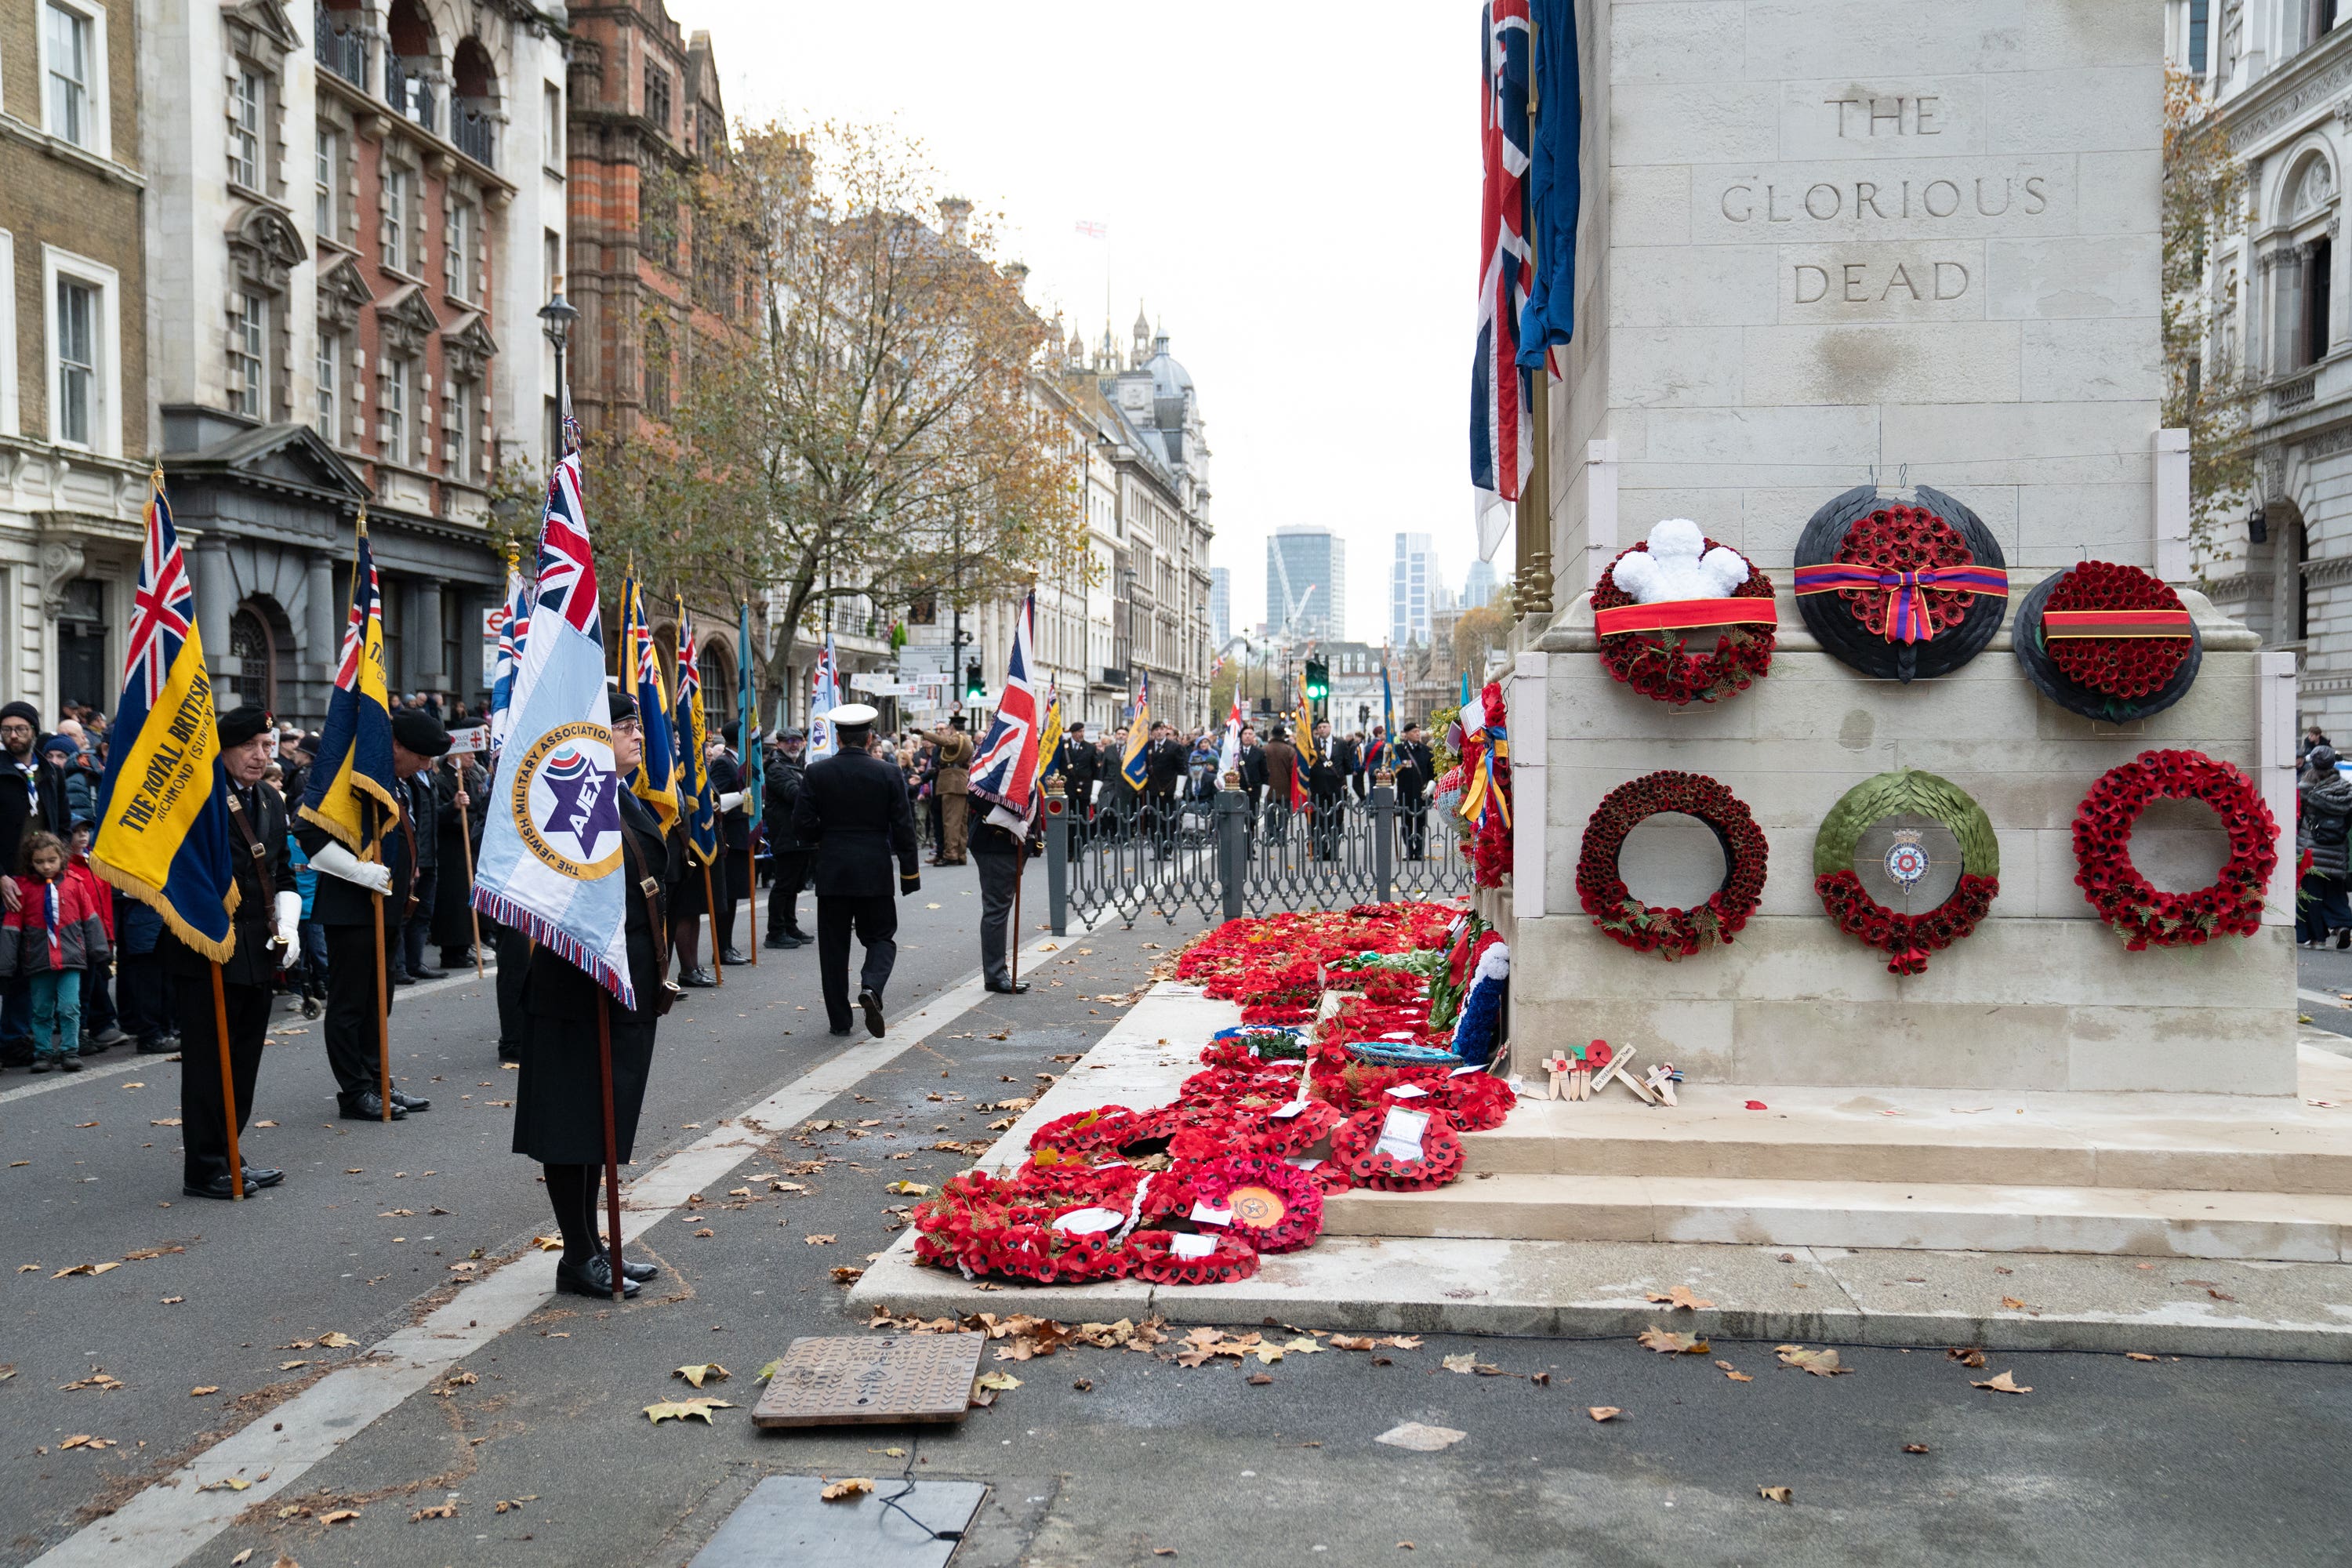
x=710 y=906
x=382 y=1002
x=751 y=896
x=466 y=842
x=612 y=1139
x=229 y=1083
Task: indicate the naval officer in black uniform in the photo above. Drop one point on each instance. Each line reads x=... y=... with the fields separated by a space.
x=559 y=1101
x=263 y=928
x=853 y=807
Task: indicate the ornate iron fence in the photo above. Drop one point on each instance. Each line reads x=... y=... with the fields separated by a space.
x=1223 y=859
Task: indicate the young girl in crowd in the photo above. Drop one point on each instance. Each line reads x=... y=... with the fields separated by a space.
x=54 y=932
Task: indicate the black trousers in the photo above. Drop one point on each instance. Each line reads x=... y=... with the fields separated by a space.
x=876 y=920
x=784 y=893
x=203 y=1121
x=729 y=878
x=351 y=1046
x=999 y=874
x=146 y=994
x=418 y=926
x=1412 y=812
x=513 y=949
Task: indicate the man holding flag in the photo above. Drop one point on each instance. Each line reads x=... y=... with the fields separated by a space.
x=364 y=847
x=1004 y=777
x=698 y=808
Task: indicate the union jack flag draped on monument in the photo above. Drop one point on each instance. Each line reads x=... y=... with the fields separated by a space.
x=1502 y=448
x=1005 y=766
x=551 y=845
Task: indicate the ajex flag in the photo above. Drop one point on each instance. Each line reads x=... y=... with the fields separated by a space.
x=353 y=792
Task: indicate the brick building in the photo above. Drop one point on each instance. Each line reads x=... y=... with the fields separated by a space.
x=351 y=219
x=74 y=431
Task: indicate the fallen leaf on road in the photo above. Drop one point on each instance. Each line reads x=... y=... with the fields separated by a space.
x=1733 y=1372
x=2012 y=1304
x=91 y=1269
x=548 y=1243
x=1603 y=1412
x=2219 y=1295
x=845 y=1274
x=164 y=1121
x=340 y=1516
x=445 y=1510
x=2137 y=1355
x=173 y=1300
x=1680 y=1297
x=706 y=1230
x=1468 y=1362
x=696 y=1374
x=225 y=1484
x=680 y=1409
x=84 y=1440
x=1914 y=1448
x=1667 y=1342
x=84 y=1124
x=1156 y=1550
x=997 y=1381
x=290 y=1365
x=265 y=1124
x=853 y=1485
x=337 y=1341
x=1259 y=1379
x=199 y=1392
x=818 y=1240
x=1776 y=1494
x=1820 y=1364
x=97 y=1378
x=908 y=1189
x=1420 y=1438
x=768 y=1371
x=2004 y=1384
x=1971 y=1356
x=241 y=1558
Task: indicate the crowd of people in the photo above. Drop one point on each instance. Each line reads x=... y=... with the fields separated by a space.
x=2323 y=824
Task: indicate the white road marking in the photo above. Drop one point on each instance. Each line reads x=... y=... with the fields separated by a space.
x=170 y=1521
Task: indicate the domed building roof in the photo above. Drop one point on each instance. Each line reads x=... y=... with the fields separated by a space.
x=1169 y=379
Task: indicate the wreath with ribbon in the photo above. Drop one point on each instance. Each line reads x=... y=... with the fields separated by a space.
x=1900 y=592
x=1486 y=791
x=2107 y=641
x=2142 y=914
x=1356 y=1149
x=1642 y=645
x=1906 y=939
x=1668 y=932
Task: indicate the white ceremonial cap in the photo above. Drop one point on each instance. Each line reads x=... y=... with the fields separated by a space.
x=853 y=714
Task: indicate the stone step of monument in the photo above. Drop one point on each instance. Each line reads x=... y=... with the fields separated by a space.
x=1951 y=1216
x=1946 y=1136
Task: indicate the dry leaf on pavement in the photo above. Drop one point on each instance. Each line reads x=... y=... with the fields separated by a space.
x=696 y=1374
x=1914 y=1448
x=198 y=1392
x=1603 y=1412
x=1733 y=1372
x=1776 y=1494
x=442 y=1511
x=680 y=1409
x=819 y=1240
x=1681 y=1298
x=1970 y=1356
x=225 y=1484
x=340 y=1516
x=1666 y=1342
x=1820 y=1364
x=2137 y=1355
x=2002 y=1383
x=847 y=1489
x=1468 y=1362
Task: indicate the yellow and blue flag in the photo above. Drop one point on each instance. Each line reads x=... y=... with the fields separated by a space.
x=1052 y=749
x=747 y=715
x=1131 y=767
x=352 y=793
x=162 y=820
x=655 y=780
x=697 y=801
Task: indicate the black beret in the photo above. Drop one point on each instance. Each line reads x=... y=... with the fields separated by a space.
x=619 y=706
x=239 y=725
x=732 y=732
x=25 y=711
x=420 y=732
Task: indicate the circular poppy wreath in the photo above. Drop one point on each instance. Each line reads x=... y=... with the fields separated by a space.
x=1356 y=1149
x=1154 y=1259
x=1276 y=1207
x=1906 y=939
x=1934 y=629
x=1663 y=664
x=2115 y=679
x=1671 y=933
x=2143 y=915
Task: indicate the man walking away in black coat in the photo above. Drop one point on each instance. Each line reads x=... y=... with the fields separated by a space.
x=1415 y=771
x=853 y=807
x=787 y=772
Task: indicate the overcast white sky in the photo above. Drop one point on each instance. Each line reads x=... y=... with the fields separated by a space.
x=1296 y=200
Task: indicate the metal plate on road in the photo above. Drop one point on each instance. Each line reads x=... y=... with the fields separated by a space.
x=784 y=1521
x=846 y=1380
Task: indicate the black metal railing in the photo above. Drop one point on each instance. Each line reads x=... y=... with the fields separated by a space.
x=341 y=46
x=409 y=90
x=475 y=131
x=1133 y=855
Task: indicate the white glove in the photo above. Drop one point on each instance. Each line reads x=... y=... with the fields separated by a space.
x=337 y=861
x=730 y=800
x=290 y=915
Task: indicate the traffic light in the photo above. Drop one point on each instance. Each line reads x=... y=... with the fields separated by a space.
x=974 y=688
x=1318 y=679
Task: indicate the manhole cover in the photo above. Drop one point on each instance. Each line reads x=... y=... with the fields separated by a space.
x=825 y=1382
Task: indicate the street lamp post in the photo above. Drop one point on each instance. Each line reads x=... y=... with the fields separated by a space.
x=556 y=318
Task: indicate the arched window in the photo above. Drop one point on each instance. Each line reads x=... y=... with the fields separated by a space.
x=2302 y=581
x=717 y=685
x=474 y=102
x=411 y=63
x=252 y=677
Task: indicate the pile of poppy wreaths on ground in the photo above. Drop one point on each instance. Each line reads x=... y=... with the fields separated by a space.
x=1191 y=1192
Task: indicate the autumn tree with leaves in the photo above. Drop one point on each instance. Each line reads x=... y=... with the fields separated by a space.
x=2205 y=393
x=874 y=430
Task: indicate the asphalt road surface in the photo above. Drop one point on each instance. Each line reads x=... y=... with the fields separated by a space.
x=538 y=1443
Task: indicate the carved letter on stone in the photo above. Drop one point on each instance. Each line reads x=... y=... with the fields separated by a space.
x=1822 y=278
x=1951 y=280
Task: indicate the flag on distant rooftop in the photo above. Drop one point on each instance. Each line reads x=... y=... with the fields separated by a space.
x=163 y=818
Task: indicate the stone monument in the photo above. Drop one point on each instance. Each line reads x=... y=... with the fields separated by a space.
x=1828 y=245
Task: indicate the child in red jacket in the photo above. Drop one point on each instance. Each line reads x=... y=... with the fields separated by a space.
x=53 y=934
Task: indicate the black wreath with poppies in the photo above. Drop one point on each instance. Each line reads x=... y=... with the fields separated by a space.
x=2113 y=680
x=1859 y=528
x=1668 y=932
x=1665 y=665
x=2142 y=914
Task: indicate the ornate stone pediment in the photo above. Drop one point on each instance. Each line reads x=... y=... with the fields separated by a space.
x=342 y=295
x=262 y=29
x=405 y=321
x=468 y=348
x=265 y=247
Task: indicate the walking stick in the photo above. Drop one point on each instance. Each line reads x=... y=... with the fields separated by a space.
x=228 y=1084
x=612 y=1139
x=711 y=906
x=465 y=841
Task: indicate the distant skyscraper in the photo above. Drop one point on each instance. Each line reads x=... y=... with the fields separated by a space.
x=1414 y=589
x=1220 y=605
x=1479 y=591
x=1306 y=582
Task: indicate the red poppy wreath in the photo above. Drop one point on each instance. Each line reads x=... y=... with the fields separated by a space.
x=2143 y=915
x=1681 y=619
x=1668 y=932
x=1906 y=937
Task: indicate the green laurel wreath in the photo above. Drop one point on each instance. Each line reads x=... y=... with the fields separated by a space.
x=1906 y=791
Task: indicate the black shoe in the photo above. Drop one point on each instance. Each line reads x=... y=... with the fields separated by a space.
x=634 y=1271
x=422 y=973
x=508 y=1053
x=218 y=1187
x=69 y=1062
x=734 y=960
x=364 y=1107
x=774 y=942
x=697 y=978
x=1008 y=987
x=405 y=1101
x=91 y=1047
x=262 y=1176
x=402 y=977
x=458 y=961
x=872 y=1002
x=42 y=1064
x=799 y=938
x=156 y=1048
x=593 y=1277
x=838 y=1030
x=109 y=1038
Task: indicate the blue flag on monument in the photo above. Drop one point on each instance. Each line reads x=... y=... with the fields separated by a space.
x=550 y=861
x=1554 y=188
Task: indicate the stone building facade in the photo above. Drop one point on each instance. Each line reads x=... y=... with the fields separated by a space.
x=2279 y=306
x=75 y=435
x=351 y=216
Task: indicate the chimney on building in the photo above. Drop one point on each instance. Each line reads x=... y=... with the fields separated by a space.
x=1017 y=274
x=955 y=219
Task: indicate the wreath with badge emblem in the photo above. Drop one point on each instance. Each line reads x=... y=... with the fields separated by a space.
x=1906 y=937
